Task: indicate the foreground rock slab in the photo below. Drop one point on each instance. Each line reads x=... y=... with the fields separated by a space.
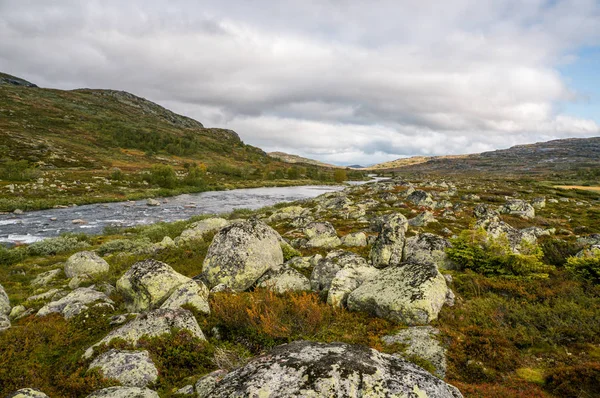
x=309 y=369
x=124 y=392
x=28 y=393
x=76 y=302
x=130 y=368
x=411 y=293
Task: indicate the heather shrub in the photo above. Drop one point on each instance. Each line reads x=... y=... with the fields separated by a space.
x=58 y=245
x=138 y=246
x=586 y=267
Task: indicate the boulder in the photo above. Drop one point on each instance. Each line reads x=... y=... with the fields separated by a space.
x=539 y=203
x=304 y=262
x=193 y=293
x=283 y=278
x=28 y=393
x=241 y=253
x=519 y=208
x=428 y=248
x=421 y=342
x=84 y=265
x=76 y=302
x=130 y=368
x=347 y=280
x=4 y=302
x=148 y=283
x=198 y=229
x=356 y=239
x=410 y=293
x=124 y=392
x=421 y=198
x=485 y=212
x=46 y=278
x=326 y=269
x=152 y=202
x=154 y=323
x=310 y=369
x=422 y=219
x=321 y=234
x=4 y=322
x=287 y=213
x=206 y=384
x=388 y=247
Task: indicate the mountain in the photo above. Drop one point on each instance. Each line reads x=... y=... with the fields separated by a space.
x=561 y=158
x=288 y=158
x=93 y=145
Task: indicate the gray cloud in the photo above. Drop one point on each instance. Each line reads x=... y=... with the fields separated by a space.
x=337 y=80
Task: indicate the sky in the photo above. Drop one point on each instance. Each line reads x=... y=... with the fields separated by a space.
x=342 y=81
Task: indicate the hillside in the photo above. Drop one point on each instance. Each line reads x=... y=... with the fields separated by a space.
x=288 y=158
x=91 y=145
x=567 y=158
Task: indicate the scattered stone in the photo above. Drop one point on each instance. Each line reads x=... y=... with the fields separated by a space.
x=421 y=342
x=148 y=283
x=283 y=279
x=388 y=247
x=519 y=208
x=287 y=213
x=422 y=219
x=124 y=392
x=198 y=229
x=52 y=294
x=18 y=312
x=4 y=301
x=410 y=293
x=18 y=211
x=321 y=234
x=130 y=368
x=79 y=221
x=4 y=322
x=152 y=202
x=347 y=280
x=428 y=248
x=241 y=253
x=193 y=293
x=45 y=278
x=539 y=203
x=154 y=323
x=75 y=303
x=421 y=198
x=310 y=369
x=85 y=264
x=356 y=239
x=304 y=262
x=326 y=269
x=28 y=393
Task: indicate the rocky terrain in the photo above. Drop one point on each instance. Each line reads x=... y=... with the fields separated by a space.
x=420 y=288
x=289 y=158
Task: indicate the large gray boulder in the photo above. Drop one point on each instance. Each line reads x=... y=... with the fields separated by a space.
x=193 y=293
x=321 y=234
x=4 y=302
x=410 y=293
x=347 y=280
x=241 y=253
x=388 y=247
x=152 y=324
x=148 y=283
x=283 y=278
x=310 y=369
x=206 y=384
x=421 y=198
x=198 y=229
x=422 y=219
x=76 y=302
x=326 y=269
x=428 y=248
x=85 y=265
x=28 y=393
x=519 y=208
x=124 y=392
x=422 y=342
x=356 y=239
x=130 y=368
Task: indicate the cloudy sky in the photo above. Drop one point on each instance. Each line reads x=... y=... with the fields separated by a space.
x=342 y=81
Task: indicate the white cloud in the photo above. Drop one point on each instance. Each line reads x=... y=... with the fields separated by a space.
x=343 y=81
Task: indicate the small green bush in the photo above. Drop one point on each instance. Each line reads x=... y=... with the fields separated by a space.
x=138 y=246
x=58 y=245
x=162 y=175
x=17 y=170
x=11 y=256
x=289 y=252
x=586 y=267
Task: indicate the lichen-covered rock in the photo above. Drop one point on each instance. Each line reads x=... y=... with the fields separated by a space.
x=356 y=239
x=421 y=198
x=539 y=203
x=326 y=269
x=287 y=213
x=124 y=392
x=28 y=393
x=46 y=278
x=422 y=219
x=304 y=262
x=148 y=283
x=421 y=342
x=347 y=280
x=4 y=302
x=207 y=383
x=198 y=229
x=152 y=202
x=154 y=323
x=409 y=293
x=283 y=279
x=193 y=293
x=130 y=368
x=241 y=253
x=4 y=322
x=85 y=264
x=388 y=247
x=485 y=212
x=310 y=369
x=76 y=302
x=428 y=248
x=502 y=230
x=519 y=208
x=321 y=234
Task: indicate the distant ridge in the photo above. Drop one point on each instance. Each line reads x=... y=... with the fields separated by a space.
x=288 y=158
